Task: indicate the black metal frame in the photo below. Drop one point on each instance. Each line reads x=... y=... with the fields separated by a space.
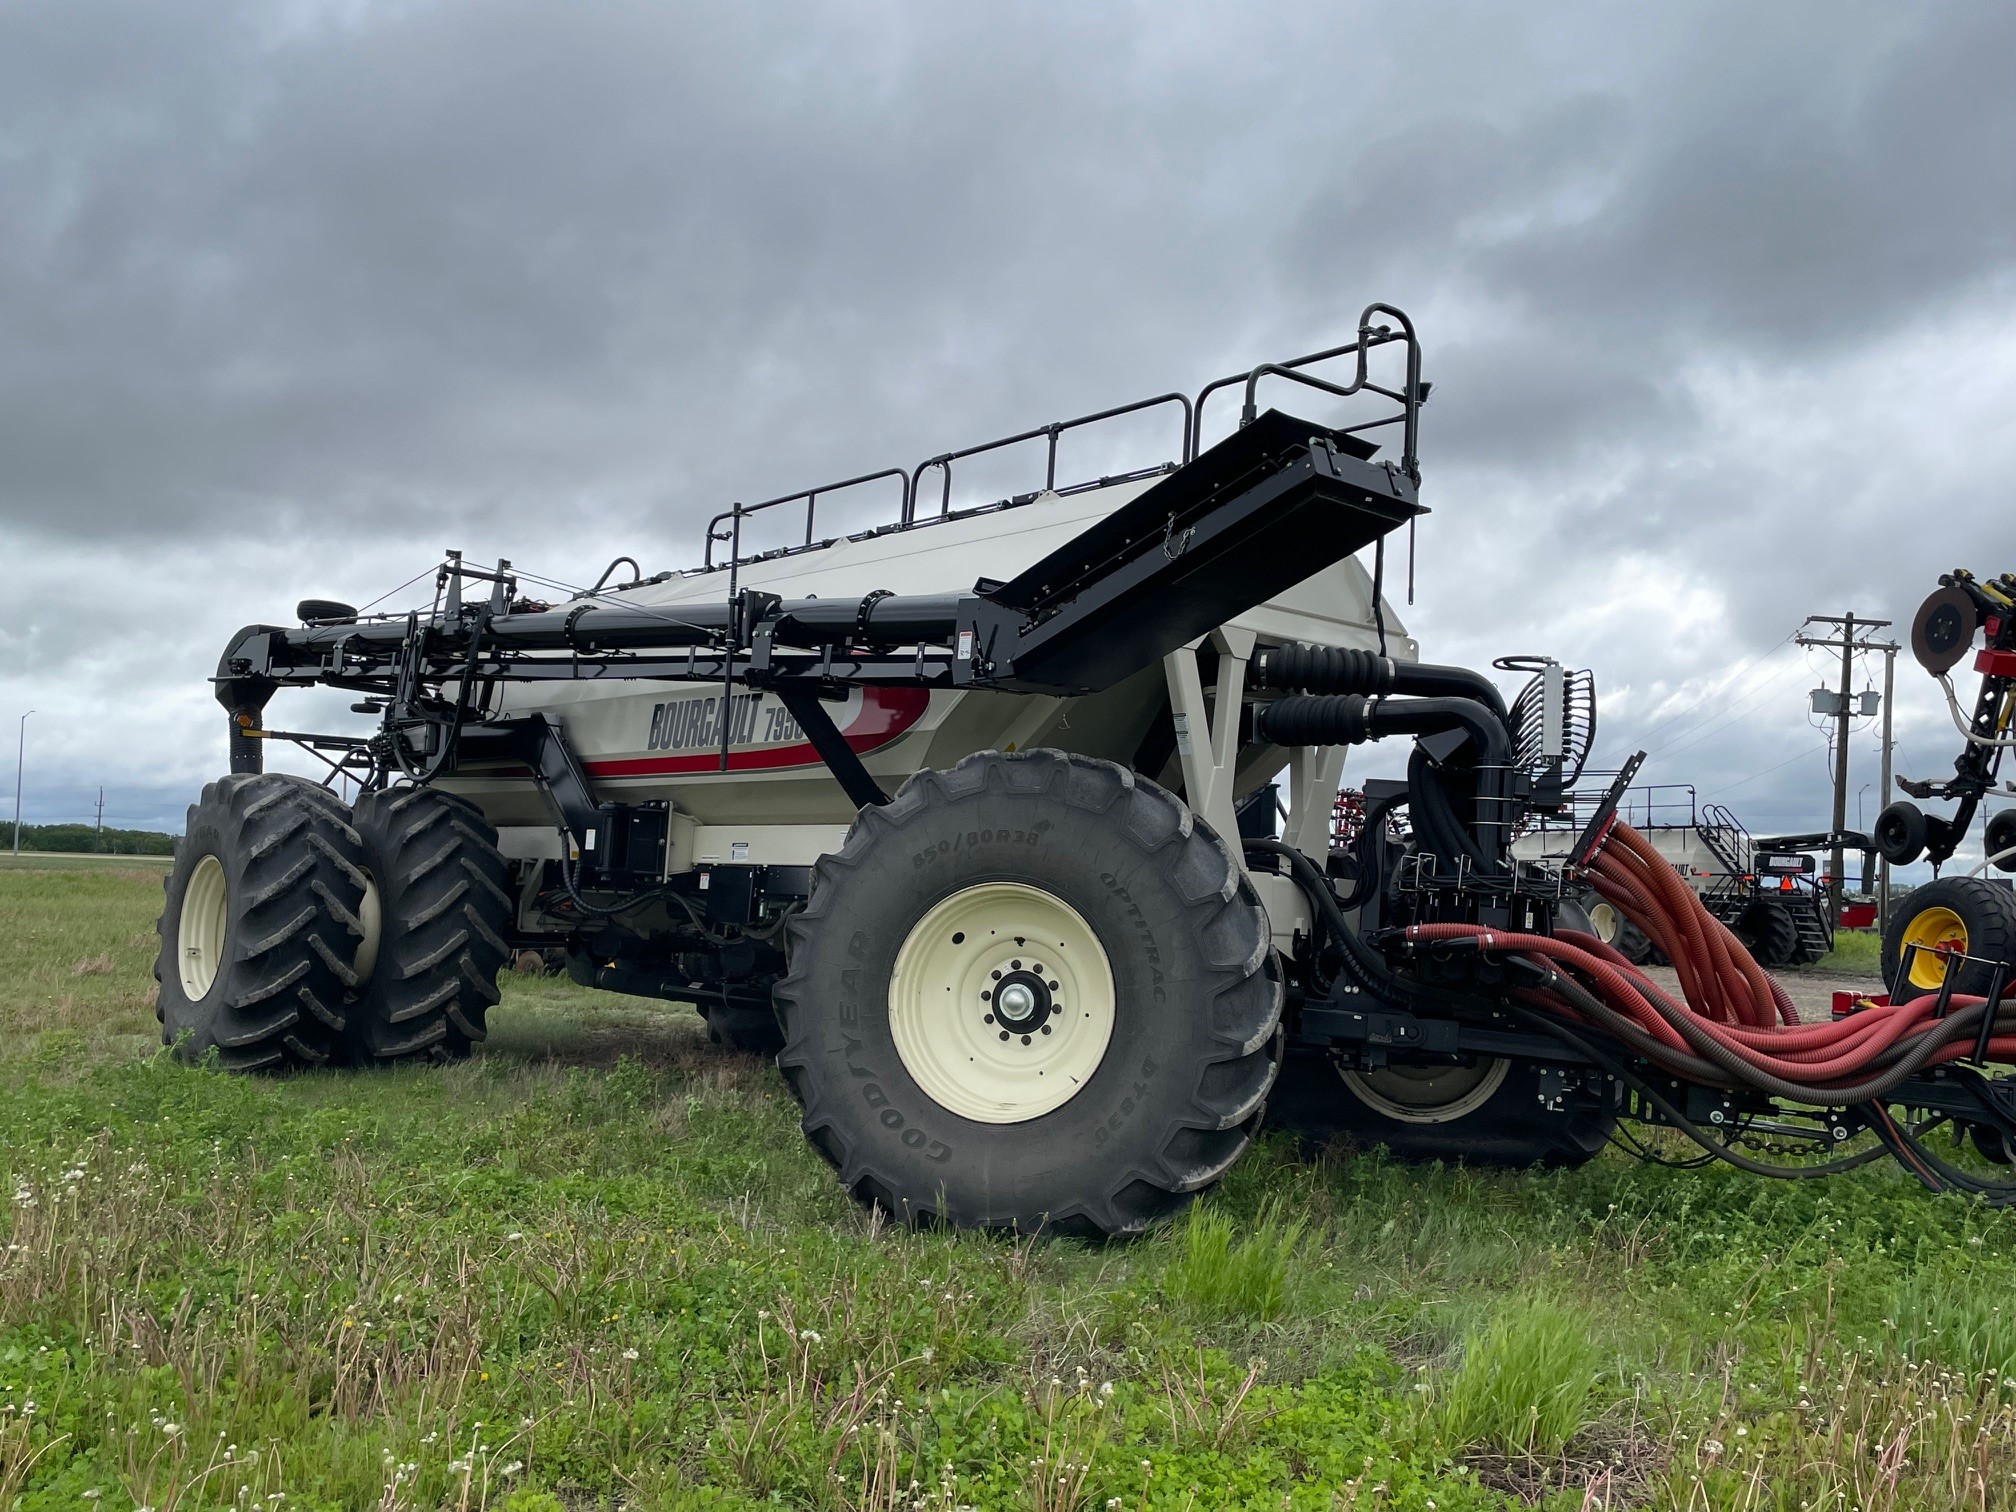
x=1980 y=758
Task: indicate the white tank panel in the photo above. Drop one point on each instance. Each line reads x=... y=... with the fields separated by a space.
x=662 y=740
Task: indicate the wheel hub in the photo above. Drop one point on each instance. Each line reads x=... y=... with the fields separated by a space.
x=1022 y=1003
x=1940 y=934
x=1427 y=1094
x=1001 y=1003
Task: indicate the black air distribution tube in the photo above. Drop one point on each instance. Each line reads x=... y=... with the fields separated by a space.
x=904 y=620
x=1333 y=669
x=1351 y=719
x=1312 y=719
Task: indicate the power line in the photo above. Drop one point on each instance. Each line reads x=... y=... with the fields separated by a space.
x=1731 y=787
x=1719 y=721
x=1847 y=644
x=1721 y=687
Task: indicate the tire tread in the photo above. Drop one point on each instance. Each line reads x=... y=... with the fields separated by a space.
x=1245 y=1005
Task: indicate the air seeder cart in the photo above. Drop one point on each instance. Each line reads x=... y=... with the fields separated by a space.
x=946 y=815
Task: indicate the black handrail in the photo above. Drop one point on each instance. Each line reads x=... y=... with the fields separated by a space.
x=1369 y=336
x=636 y=572
x=1053 y=430
x=811 y=498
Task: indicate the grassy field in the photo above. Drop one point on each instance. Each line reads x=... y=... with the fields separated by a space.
x=71 y=861
x=596 y=1267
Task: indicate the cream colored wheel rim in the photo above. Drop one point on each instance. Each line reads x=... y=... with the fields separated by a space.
x=370 y=914
x=1427 y=1094
x=201 y=931
x=1001 y=1003
x=1603 y=922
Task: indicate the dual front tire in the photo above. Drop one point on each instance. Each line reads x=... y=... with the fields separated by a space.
x=300 y=932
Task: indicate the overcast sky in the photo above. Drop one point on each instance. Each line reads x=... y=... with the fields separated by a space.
x=1719 y=302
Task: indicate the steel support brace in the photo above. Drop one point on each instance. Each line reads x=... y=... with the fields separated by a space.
x=559 y=774
x=1314 y=775
x=841 y=759
x=1207 y=737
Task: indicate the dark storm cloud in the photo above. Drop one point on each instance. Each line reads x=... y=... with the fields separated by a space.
x=1720 y=301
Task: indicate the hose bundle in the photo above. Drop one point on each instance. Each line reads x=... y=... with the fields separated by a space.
x=1736 y=1028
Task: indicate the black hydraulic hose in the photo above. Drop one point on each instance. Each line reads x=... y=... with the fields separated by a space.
x=1361 y=963
x=1732 y=1066
x=1994 y=1193
x=1304 y=668
x=1435 y=816
x=1673 y=1115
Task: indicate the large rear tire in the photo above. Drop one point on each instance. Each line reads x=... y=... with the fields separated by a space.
x=261 y=925
x=1967 y=915
x=1769 y=932
x=1491 y=1112
x=1033 y=992
x=440 y=903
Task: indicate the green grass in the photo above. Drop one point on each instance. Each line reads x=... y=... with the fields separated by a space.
x=1855 y=952
x=596 y=1267
x=1524 y=1383
x=154 y=866
x=1232 y=1269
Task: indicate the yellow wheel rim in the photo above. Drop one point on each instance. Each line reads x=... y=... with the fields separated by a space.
x=1936 y=932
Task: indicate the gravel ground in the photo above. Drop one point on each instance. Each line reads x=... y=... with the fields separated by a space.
x=1812 y=992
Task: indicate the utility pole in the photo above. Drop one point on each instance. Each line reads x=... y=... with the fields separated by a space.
x=1837 y=704
x=1883 y=794
x=98 y=834
x=20 y=755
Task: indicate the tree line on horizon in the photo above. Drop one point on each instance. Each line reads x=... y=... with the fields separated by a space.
x=87 y=838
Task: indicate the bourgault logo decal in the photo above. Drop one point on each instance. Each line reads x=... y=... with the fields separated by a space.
x=692 y=724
